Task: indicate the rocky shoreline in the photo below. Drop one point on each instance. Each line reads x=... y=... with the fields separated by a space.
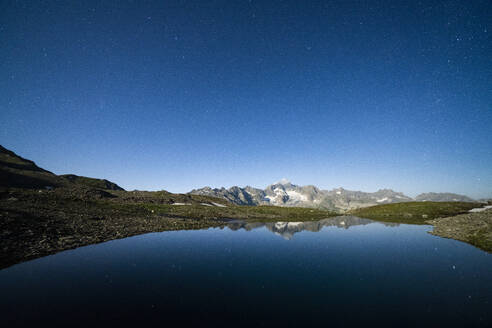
x=35 y=225
x=474 y=228
x=42 y=213
x=50 y=235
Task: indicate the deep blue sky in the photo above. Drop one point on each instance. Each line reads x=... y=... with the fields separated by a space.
x=177 y=95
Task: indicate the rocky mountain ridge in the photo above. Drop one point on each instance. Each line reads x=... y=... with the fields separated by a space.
x=442 y=197
x=18 y=172
x=284 y=193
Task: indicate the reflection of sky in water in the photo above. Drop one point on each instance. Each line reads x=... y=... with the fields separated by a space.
x=368 y=272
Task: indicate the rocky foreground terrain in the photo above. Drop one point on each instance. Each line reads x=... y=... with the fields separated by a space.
x=42 y=213
x=473 y=228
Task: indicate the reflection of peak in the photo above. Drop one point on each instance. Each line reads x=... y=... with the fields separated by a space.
x=287 y=229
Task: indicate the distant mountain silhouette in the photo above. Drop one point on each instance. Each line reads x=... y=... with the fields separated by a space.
x=18 y=172
x=284 y=193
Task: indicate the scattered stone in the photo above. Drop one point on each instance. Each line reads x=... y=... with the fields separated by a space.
x=474 y=228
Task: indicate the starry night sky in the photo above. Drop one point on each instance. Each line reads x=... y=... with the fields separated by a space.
x=177 y=95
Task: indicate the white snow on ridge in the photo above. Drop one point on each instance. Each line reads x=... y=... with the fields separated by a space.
x=179 y=204
x=382 y=200
x=297 y=196
x=480 y=209
x=272 y=199
x=219 y=205
x=279 y=191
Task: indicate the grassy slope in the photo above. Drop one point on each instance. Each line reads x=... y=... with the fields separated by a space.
x=19 y=172
x=414 y=212
x=91 y=182
x=35 y=223
x=240 y=212
x=481 y=238
x=83 y=211
x=450 y=219
x=472 y=228
x=160 y=203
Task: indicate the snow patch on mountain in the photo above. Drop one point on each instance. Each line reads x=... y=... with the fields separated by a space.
x=284 y=193
x=296 y=196
x=219 y=205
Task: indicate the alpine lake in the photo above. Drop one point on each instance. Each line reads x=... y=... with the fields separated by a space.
x=337 y=272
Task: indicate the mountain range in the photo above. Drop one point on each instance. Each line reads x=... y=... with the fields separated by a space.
x=284 y=193
x=19 y=172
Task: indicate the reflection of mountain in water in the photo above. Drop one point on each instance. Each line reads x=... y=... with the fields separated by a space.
x=288 y=229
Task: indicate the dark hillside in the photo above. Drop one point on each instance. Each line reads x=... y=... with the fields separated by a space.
x=19 y=172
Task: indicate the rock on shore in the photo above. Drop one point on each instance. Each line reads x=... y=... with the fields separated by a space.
x=474 y=228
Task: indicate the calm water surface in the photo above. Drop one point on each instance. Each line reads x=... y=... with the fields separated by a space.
x=344 y=271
